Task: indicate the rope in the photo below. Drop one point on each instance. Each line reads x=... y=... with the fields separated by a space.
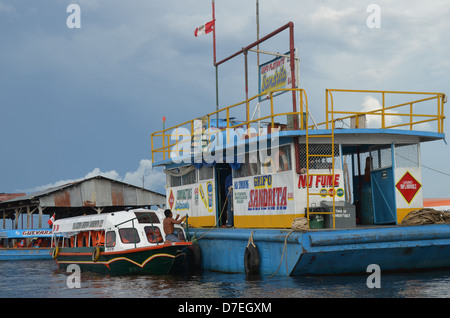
x=220 y=217
x=426 y=216
x=282 y=256
x=298 y=224
x=250 y=240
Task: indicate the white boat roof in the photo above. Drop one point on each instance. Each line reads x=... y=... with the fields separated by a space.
x=96 y=222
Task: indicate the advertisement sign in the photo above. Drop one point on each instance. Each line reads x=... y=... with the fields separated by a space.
x=275 y=74
x=196 y=200
x=263 y=195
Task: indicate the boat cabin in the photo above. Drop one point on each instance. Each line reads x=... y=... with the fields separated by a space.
x=359 y=165
x=114 y=231
x=25 y=238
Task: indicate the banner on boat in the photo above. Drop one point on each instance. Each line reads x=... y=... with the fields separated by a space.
x=275 y=74
x=264 y=194
x=196 y=200
x=26 y=233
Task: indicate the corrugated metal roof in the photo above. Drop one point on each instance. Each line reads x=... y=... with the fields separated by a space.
x=95 y=191
x=9 y=196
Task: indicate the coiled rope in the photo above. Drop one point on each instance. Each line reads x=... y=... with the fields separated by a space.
x=426 y=216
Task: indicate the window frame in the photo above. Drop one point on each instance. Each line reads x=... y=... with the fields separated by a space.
x=111 y=243
x=135 y=235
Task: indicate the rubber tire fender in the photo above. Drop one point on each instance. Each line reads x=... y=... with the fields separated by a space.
x=96 y=254
x=251 y=260
x=55 y=252
x=195 y=257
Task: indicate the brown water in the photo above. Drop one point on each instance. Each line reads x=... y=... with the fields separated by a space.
x=42 y=279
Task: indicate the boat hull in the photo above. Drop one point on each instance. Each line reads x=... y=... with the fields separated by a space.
x=327 y=252
x=156 y=260
x=22 y=254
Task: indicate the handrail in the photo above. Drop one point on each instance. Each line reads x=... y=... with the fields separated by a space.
x=382 y=112
x=332 y=116
x=137 y=218
x=166 y=134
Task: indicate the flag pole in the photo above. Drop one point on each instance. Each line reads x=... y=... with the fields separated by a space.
x=215 y=64
x=257 y=32
x=214 y=31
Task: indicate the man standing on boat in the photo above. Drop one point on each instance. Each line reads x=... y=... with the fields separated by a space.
x=229 y=190
x=168 y=226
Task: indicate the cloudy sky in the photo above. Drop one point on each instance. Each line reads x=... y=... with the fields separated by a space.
x=77 y=102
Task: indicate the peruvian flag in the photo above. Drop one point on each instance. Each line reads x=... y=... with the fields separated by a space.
x=205 y=28
x=51 y=220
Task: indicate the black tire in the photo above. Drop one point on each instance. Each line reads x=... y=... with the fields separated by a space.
x=251 y=260
x=195 y=257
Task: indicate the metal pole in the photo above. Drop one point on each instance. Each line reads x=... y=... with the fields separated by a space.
x=246 y=85
x=247 y=48
x=257 y=32
x=217 y=95
x=214 y=58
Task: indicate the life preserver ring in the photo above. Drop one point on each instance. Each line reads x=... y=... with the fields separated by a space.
x=251 y=260
x=55 y=252
x=96 y=254
x=271 y=166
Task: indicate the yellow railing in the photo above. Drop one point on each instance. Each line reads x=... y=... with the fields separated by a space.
x=165 y=141
x=386 y=111
x=169 y=138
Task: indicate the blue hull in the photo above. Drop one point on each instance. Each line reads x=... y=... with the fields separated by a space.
x=327 y=252
x=21 y=254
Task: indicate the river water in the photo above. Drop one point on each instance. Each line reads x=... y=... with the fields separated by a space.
x=41 y=279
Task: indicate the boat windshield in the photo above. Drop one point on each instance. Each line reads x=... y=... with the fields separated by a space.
x=147 y=217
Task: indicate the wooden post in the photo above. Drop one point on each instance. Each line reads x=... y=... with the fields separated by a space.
x=40 y=216
x=28 y=217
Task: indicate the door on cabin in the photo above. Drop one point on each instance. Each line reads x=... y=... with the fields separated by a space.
x=382 y=182
x=223 y=170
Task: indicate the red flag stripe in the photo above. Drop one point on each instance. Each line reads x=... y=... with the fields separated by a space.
x=205 y=28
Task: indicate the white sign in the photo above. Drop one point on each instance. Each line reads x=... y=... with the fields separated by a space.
x=275 y=74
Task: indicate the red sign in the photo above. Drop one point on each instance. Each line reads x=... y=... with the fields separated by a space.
x=171 y=200
x=408 y=186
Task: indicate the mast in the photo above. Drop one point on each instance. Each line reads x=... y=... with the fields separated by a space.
x=215 y=64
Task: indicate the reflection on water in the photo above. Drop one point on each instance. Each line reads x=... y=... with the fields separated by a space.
x=42 y=279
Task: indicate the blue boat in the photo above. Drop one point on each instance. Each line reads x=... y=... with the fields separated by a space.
x=279 y=193
x=29 y=244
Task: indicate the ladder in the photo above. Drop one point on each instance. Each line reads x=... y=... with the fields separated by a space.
x=320 y=150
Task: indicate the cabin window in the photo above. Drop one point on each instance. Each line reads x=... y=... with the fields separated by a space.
x=325 y=150
x=189 y=178
x=129 y=235
x=381 y=157
x=282 y=157
x=97 y=238
x=110 y=239
x=181 y=176
x=153 y=234
x=175 y=181
x=363 y=158
x=406 y=156
x=206 y=173
x=83 y=239
x=250 y=166
x=147 y=217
